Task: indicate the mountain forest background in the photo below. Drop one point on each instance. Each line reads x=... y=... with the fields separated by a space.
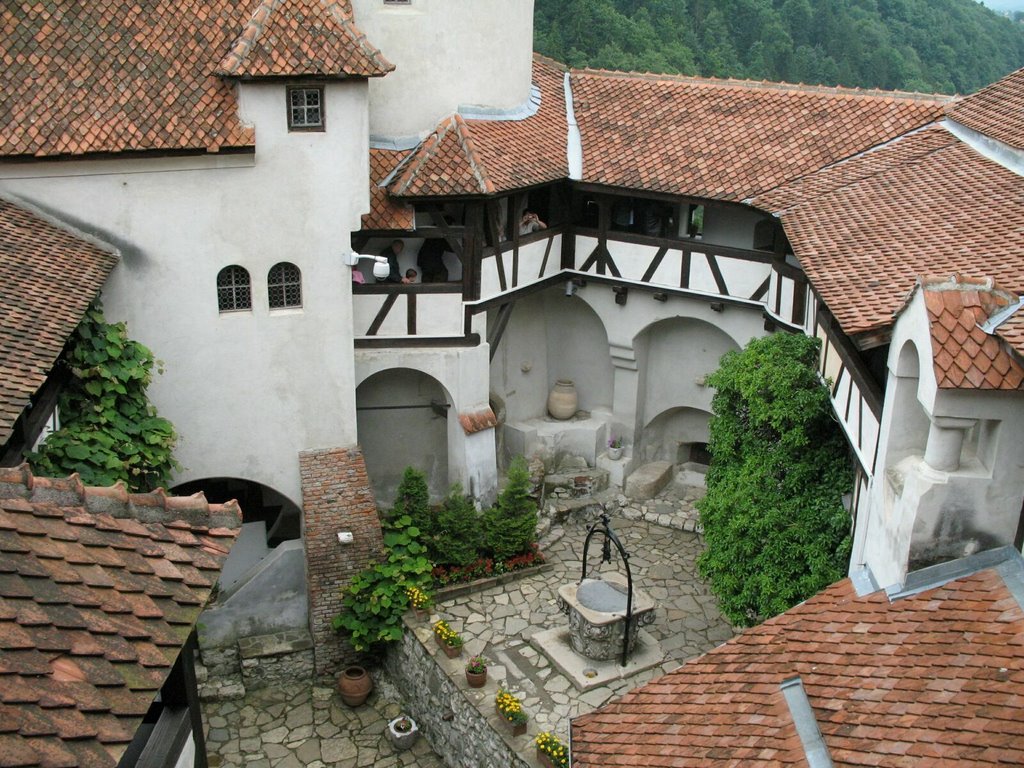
x=933 y=46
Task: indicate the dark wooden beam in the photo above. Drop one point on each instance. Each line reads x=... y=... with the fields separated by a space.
x=410 y=314
x=382 y=313
x=655 y=263
x=500 y=324
x=386 y=342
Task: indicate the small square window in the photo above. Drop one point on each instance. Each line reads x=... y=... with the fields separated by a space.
x=306 y=109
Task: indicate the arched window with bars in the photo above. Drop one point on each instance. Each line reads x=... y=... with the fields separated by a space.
x=284 y=284
x=234 y=289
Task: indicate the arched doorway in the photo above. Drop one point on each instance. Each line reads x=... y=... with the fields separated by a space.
x=268 y=519
x=677 y=435
x=402 y=418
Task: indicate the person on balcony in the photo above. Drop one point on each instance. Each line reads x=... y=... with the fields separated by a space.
x=530 y=222
x=431 y=260
x=391 y=253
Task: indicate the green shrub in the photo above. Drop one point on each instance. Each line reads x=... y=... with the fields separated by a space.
x=774 y=525
x=457 y=535
x=109 y=430
x=510 y=527
x=413 y=499
x=377 y=596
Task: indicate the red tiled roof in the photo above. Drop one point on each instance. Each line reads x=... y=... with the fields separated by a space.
x=481 y=157
x=935 y=678
x=95 y=606
x=996 y=110
x=925 y=204
x=385 y=212
x=445 y=163
x=48 y=277
x=727 y=140
x=964 y=356
x=107 y=76
x=303 y=37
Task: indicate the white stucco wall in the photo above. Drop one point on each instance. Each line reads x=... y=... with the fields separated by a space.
x=246 y=390
x=446 y=53
x=462 y=374
x=916 y=514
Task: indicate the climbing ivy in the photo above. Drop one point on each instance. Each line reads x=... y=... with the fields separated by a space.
x=376 y=598
x=774 y=524
x=109 y=430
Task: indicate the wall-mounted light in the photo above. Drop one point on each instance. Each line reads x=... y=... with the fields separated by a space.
x=381 y=268
x=621 y=294
x=717 y=306
x=660 y=296
x=570 y=289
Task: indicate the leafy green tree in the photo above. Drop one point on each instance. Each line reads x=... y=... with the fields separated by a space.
x=510 y=527
x=774 y=524
x=457 y=535
x=109 y=430
x=376 y=597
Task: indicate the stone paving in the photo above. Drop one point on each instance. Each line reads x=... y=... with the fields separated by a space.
x=308 y=725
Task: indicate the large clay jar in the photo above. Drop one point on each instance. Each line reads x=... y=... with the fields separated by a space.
x=563 y=402
x=355 y=685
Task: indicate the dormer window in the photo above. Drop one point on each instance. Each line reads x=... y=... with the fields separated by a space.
x=305 y=108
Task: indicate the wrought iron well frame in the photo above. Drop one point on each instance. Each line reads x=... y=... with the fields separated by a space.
x=603 y=525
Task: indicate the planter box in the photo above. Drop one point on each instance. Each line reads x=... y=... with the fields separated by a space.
x=451 y=651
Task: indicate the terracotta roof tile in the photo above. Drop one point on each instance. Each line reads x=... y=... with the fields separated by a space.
x=964 y=355
x=889 y=684
x=996 y=110
x=864 y=230
x=727 y=140
x=385 y=212
x=289 y=38
x=48 y=277
x=81 y=663
x=482 y=157
x=107 y=76
x=1012 y=332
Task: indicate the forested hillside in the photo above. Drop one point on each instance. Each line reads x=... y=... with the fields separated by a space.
x=943 y=46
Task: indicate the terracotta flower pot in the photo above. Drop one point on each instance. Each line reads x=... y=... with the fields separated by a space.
x=476 y=679
x=543 y=759
x=354 y=685
x=518 y=729
x=451 y=651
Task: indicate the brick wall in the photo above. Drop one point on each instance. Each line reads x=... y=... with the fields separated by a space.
x=336 y=496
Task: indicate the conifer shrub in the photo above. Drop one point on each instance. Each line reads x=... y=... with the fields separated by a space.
x=413 y=499
x=775 y=528
x=457 y=535
x=510 y=527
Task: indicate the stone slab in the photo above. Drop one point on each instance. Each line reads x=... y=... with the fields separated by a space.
x=645 y=482
x=586 y=674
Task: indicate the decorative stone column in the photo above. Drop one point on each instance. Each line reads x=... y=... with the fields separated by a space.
x=336 y=498
x=945 y=442
x=627 y=386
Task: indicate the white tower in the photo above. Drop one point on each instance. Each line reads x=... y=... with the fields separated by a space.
x=447 y=54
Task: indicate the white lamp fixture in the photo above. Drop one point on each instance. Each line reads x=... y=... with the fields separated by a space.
x=381 y=268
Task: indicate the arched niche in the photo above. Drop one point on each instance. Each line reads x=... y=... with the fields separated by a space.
x=677 y=435
x=403 y=417
x=908 y=432
x=551 y=336
x=675 y=357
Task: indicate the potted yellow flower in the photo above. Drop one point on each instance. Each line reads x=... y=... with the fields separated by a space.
x=447 y=639
x=510 y=709
x=551 y=751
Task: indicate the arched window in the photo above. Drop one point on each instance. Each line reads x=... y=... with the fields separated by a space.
x=284 y=282
x=234 y=290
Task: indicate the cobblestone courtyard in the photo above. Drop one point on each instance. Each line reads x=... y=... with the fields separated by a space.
x=308 y=725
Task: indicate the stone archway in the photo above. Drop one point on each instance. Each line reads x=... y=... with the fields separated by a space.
x=403 y=418
x=675 y=357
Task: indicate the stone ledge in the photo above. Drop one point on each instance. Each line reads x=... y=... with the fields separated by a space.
x=458 y=590
x=276 y=644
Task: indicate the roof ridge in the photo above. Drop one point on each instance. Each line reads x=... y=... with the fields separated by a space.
x=156 y=506
x=769 y=85
x=469 y=145
x=338 y=11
